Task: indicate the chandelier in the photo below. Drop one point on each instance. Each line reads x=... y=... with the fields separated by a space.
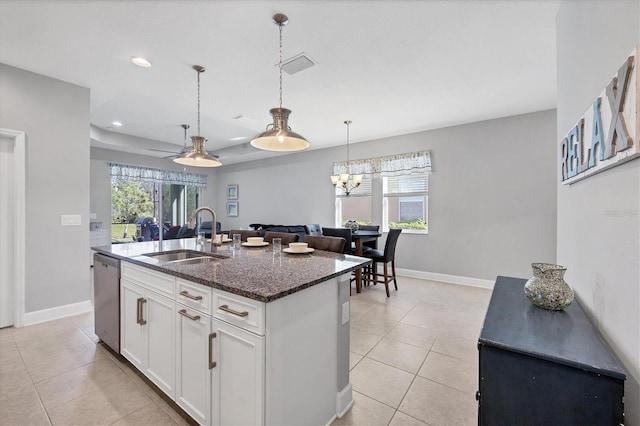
x=347 y=181
x=279 y=136
x=198 y=156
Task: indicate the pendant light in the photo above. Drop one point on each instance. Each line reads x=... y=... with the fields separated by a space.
x=347 y=181
x=198 y=157
x=279 y=136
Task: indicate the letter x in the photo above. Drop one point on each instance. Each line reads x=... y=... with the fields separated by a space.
x=616 y=93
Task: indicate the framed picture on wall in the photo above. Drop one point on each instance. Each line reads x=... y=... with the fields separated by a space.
x=232 y=192
x=232 y=209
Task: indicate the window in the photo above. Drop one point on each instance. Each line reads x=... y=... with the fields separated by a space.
x=356 y=206
x=140 y=196
x=394 y=192
x=405 y=202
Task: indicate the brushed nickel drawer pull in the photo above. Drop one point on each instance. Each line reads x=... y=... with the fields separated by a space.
x=231 y=311
x=186 y=294
x=139 y=319
x=138 y=310
x=212 y=363
x=184 y=313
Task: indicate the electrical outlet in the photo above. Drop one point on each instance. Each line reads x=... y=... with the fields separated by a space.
x=93 y=216
x=345 y=313
x=70 y=220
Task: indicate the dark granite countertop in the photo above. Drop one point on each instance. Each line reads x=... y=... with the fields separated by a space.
x=253 y=272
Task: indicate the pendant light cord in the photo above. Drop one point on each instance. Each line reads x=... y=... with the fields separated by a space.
x=198 y=101
x=280 y=66
x=347 y=122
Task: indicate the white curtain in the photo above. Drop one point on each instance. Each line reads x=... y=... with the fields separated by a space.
x=147 y=174
x=392 y=165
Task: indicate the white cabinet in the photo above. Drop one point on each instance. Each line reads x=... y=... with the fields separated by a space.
x=226 y=359
x=238 y=377
x=148 y=328
x=193 y=359
x=219 y=368
x=131 y=331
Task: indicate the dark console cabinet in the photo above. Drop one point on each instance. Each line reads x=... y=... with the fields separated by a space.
x=540 y=367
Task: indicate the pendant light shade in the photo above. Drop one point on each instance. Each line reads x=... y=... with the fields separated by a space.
x=198 y=156
x=279 y=136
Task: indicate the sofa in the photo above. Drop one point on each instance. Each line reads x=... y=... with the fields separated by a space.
x=291 y=229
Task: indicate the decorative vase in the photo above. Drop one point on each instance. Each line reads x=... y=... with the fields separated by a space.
x=547 y=288
x=352 y=224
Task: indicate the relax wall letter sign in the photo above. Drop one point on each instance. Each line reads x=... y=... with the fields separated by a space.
x=607 y=134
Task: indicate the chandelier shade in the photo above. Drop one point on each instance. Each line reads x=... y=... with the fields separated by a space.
x=347 y=181
x=279 y=136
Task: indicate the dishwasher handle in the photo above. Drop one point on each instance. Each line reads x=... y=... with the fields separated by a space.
x=105 y=260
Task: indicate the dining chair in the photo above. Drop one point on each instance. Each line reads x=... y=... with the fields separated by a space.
x=244 y=234
x=313 y=229
x=340 y=232
x=319 y=242
x=286 y=237
x=385 y=257
x=369 y=244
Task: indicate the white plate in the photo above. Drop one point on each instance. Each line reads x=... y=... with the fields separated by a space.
x=307 y=250
x=256 y=245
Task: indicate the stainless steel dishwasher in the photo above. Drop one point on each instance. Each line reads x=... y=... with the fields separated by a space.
x=106 y=295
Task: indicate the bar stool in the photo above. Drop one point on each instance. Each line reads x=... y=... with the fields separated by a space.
x=385 y=257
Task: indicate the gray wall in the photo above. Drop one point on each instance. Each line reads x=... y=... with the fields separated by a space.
x=55 y=117
x=601 y=250
x=492 y=194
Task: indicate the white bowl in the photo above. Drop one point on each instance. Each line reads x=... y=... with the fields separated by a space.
x=298 y=247
x=255 y=240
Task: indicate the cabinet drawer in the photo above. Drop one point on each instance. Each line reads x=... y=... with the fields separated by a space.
x=193 y=295
x=238 y=310
x=150 y=279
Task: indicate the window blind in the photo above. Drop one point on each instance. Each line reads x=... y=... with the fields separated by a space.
x=406 y=184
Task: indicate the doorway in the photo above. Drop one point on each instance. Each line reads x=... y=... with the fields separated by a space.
x=12 y=227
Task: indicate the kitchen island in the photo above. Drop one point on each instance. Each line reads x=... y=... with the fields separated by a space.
x=245 y=337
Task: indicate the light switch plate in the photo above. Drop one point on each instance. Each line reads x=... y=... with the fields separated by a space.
x=93 y=216
x=70 y=220
x=345 y=313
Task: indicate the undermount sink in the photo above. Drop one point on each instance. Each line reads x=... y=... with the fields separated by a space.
x=184 y=257
x=190 y=261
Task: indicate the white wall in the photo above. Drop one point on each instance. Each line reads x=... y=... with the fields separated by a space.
x=601 y=250
x=492 y=194
x=55 y=117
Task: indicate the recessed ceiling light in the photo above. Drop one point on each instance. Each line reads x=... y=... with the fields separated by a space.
x=141 y=62
x=117 y=123
x=239 y=138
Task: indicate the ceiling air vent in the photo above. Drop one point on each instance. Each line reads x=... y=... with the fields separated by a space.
x=297 y=63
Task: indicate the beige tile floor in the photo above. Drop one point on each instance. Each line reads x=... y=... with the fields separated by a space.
x=414 y=358
x=413 y=362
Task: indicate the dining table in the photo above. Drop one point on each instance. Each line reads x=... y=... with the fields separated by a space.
x=359 y=237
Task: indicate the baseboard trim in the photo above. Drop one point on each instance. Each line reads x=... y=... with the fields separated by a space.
x=449 y=279
x=344 y=401
x=36 y=317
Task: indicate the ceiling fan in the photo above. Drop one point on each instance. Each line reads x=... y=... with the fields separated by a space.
x=187 y=148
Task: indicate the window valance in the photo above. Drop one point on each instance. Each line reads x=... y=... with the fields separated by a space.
x=392 y=165
x=147 y=174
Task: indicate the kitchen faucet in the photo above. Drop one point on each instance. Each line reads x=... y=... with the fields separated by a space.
x=192 y=223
